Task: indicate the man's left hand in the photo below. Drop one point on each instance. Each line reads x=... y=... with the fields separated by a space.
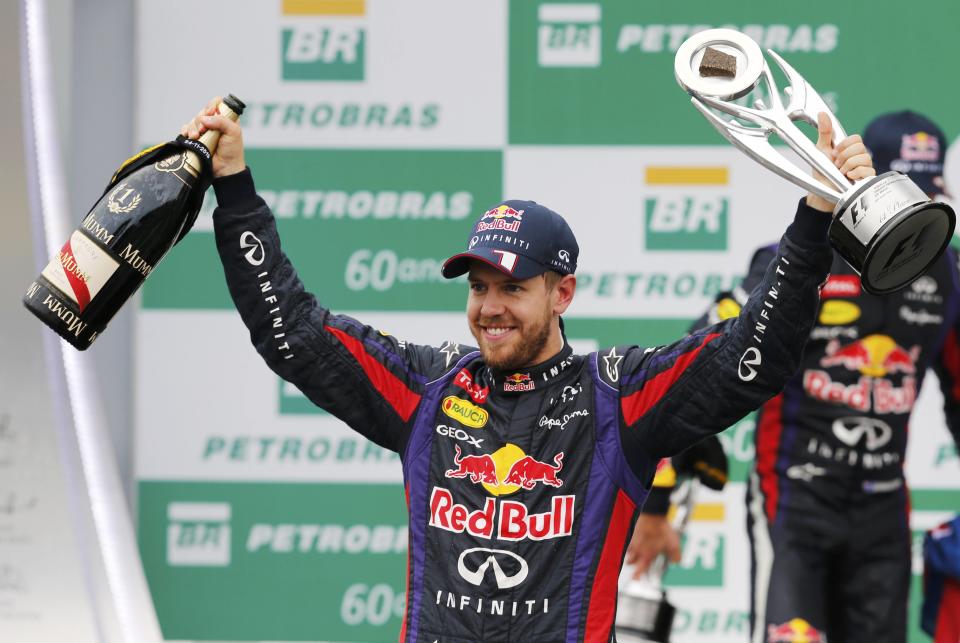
x=850 y=156
x=652 y=536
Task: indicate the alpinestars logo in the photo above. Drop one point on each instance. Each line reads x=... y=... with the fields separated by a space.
x=612 y=363
x=254 y=248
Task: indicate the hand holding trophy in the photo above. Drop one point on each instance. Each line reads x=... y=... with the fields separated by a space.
x=885 y=226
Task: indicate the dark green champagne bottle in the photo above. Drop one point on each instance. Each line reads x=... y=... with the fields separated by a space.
x=123 y=238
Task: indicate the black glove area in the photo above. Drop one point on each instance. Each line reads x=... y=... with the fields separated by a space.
x=707 y=461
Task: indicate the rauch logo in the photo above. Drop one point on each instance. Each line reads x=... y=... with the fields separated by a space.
x=569 y=35
x=198 y=534
x=686 y=221
x=332 y=48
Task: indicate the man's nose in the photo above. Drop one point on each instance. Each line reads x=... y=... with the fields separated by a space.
x=492 y=305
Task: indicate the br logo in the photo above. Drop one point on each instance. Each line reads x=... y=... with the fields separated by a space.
x=324 y=41
x=703 y=561
x=198 y=534
x=569 y=35
x=676 y=222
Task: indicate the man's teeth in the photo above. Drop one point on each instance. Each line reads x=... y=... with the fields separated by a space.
x=497 y=331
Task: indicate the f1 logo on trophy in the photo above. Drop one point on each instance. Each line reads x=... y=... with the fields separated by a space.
x=885 y=227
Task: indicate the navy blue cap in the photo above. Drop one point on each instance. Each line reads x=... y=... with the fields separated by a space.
x=909 y=143
x=522 y=239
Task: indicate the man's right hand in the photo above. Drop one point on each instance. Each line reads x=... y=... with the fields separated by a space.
x=228 y=159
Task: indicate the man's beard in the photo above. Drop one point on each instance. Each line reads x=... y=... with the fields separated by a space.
x=524 y=350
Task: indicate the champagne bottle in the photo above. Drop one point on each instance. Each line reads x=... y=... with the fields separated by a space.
x=142 y=214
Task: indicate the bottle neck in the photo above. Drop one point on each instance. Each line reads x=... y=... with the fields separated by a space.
x=210 y=139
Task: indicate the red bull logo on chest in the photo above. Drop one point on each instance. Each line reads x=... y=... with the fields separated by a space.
x=509 y=520
x=518 y=382
x=507 y=470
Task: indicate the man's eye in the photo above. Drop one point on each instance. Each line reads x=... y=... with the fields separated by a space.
x=476 y=287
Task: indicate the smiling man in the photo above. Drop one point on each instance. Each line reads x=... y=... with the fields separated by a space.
x=523 y=464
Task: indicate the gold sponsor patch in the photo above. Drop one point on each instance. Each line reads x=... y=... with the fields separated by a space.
x=464 y=412
x=838 y=312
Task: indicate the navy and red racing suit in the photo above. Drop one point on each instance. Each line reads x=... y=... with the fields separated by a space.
x=522 y=487
x=828 y=510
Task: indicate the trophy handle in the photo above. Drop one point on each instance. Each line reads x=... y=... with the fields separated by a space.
x=754 y=142
x=804 y=105
x=805 y=102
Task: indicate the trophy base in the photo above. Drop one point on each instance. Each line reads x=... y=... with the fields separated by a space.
x=644 y=619
x=890 y=232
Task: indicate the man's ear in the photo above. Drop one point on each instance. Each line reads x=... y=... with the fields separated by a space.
x=564 y=293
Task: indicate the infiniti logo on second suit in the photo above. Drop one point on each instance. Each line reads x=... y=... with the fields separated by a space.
x=853 y=430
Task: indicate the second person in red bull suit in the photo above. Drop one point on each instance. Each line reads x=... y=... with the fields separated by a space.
x=828 y=515
x=523 y=463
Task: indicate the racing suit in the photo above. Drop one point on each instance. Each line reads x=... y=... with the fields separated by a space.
x=828 y=513
x=522 y=487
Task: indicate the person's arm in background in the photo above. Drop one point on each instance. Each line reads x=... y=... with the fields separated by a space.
x=947 y=363
x=653 y=534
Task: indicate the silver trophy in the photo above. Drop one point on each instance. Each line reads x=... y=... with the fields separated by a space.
x=644 y=615
x=885 y=226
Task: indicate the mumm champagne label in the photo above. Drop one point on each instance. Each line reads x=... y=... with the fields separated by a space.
x=80 y=269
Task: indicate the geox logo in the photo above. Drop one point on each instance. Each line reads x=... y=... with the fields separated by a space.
x=323 y=40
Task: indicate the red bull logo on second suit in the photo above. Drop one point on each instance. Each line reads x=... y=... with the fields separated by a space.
x=796 y=630
x=875 y=357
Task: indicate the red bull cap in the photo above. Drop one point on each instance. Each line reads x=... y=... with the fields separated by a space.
x=909 y=143
x=521 y=238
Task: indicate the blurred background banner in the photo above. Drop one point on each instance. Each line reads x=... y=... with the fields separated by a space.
x=377 y=131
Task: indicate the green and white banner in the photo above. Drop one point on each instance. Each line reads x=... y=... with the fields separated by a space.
x=377 y=131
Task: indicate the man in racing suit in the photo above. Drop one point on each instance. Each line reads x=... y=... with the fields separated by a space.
x=523 y=463
x=828 y=508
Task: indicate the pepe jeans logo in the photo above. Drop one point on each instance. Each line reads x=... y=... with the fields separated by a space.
x=198 y=534
x=254 y=248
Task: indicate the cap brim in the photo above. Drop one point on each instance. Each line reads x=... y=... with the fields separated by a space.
x=523 y=268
